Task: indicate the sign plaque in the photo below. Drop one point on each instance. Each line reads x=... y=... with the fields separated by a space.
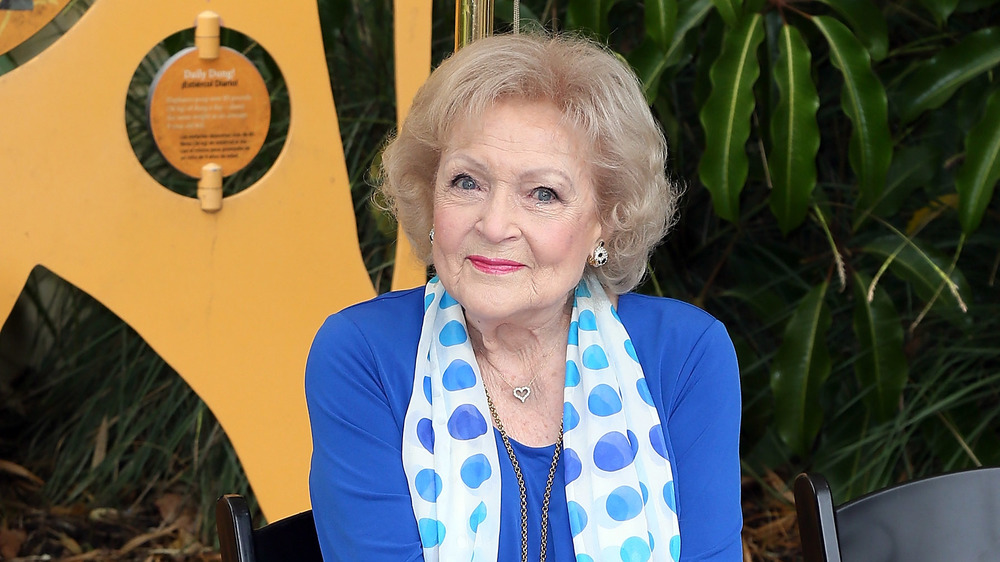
x=20 y=19
x=205 y=111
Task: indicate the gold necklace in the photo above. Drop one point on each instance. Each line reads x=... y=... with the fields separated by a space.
x=520 y=482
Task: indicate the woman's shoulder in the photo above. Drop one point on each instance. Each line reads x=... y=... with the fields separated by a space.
x=674 y=335
x=368 y=348
x=387 y=314
x=656 y=314
x=374 y=330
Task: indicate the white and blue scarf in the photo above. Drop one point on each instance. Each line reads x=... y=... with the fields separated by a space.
x=619 y=486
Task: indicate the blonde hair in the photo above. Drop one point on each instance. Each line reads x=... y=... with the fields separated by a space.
x=598 y=95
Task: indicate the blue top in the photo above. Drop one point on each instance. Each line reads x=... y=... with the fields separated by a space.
x=359 y=377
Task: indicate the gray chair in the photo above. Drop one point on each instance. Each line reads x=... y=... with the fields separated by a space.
x=951 y=517
x=291 y=538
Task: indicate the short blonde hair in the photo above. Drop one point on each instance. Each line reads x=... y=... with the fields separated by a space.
x=598 y=95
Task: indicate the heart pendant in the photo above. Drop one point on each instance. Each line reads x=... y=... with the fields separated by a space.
x=522 y=393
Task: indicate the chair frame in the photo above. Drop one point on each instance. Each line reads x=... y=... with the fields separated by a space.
x=953 y=516
x=291 y=538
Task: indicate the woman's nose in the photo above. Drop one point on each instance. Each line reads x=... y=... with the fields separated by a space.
x=498 y=219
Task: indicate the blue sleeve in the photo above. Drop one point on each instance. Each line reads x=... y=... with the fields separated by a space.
x=703 y=411
x=360 y=498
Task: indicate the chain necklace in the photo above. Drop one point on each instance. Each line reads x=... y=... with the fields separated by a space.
x=520 y=480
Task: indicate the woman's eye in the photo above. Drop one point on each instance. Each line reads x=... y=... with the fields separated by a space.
x=464 y=182
x=544 y=194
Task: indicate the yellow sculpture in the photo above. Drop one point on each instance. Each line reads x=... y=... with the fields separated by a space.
x=231 y=299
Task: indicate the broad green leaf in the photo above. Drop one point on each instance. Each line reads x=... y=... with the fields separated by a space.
x=912 y=167
x=647 y=61
x=650 y=62
x=881 y=364
x=925 y=270
x=932 y=82
x=940 y=9
x=589 y=14
x=865 y=18
x=690 y=14
x=584 y=14
x=978 y=176
x=863 y=100
x=729 y=10
x=726 y=116
x=768 y=305
x=800 y=367
x=794 y=132
x=661 y=20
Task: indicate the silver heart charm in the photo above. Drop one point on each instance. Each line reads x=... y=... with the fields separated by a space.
x=522 y=393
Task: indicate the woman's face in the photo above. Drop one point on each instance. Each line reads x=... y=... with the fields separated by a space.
x=515 y=214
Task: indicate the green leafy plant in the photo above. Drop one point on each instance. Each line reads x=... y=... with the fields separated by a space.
x=841 y=158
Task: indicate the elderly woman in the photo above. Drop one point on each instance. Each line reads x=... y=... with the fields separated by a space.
x=524 y=405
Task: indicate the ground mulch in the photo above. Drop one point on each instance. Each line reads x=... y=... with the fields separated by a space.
x=167 y=527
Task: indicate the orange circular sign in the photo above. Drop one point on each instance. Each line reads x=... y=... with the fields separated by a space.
x=20 y=19
x=209 y=111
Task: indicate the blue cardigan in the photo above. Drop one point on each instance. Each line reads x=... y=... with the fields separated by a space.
x=359 y=377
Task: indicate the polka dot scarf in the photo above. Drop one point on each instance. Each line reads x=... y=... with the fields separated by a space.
x=619 y=488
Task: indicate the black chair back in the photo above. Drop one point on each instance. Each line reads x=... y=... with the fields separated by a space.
x=948 y=517
x=291 y=538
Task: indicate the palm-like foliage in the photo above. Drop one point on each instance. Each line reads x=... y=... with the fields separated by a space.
x=840 y=159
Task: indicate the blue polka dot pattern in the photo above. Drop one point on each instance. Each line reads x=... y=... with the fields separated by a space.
x=476 y=470
x=630 y=349
x=634 y=549
x=572 y=467
x=668 y=496
x=675 y=547
x=428 y=484
x=613 y=452
x=431 y=532
x=618 y=488
x=643 y=390
x=452 y=334
x=572 y=374
x=425 y=434
x=614 y=312
x=458 y=376
x=577 y=517
x=656 y=440
x=570 y=417
x=624 y=503
x=466 y=422
x=604 y=401
x=447 y=301
x=477 y=517
x=594 y=358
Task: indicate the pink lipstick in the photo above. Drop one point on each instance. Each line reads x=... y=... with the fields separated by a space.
x=494 y=266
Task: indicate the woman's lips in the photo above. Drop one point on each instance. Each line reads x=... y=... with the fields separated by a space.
x=493 y=265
